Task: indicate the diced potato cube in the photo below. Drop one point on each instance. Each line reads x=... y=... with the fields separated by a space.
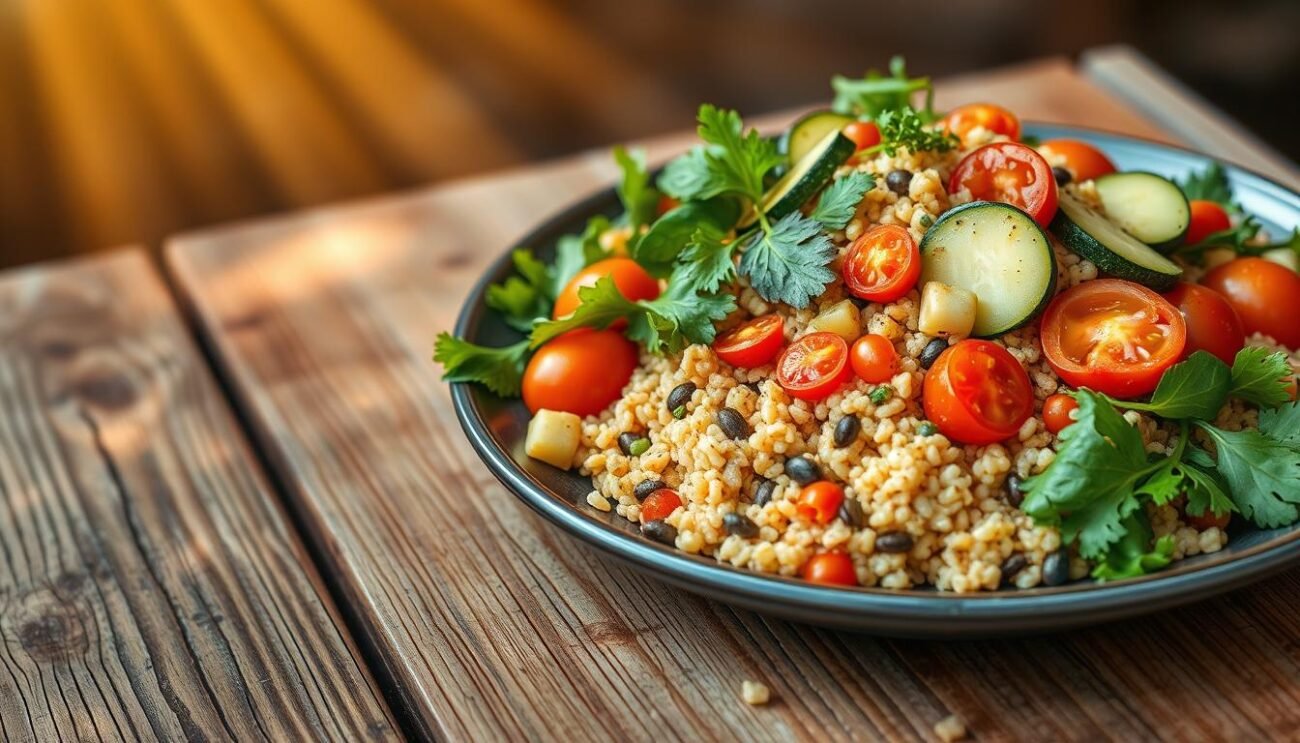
x=946 y=310
x=841 y=318
x=553 y=437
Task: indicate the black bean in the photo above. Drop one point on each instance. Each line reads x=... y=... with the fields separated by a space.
x=644 y=488
x=733 y=424
x=851 y=513
x=660 y=531
x=764 y=492
x=1056 y=568
x=681 y=395
x=802 y=470
x=932 y=351
x=755 y=386
x=739 y=525
x=625 y=441
x=1061 y=175
x=1012 y=487
x=1013 y=565
x=894 y=542
x=898 y=181
x=846 y=431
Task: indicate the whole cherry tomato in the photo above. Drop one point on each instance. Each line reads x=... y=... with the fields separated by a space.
x=660 y=505
x=1207 y=219
x=977 y=393
x=863 y=133
x=1265 y=295
x=580 y=372
x=1056 y=412
x=963 y=119
x=1084 y=161
x=831 y=569
x=632 y=281
x=820 y=501
x=1011 y=173
x=1212 y=324
x=873 y=358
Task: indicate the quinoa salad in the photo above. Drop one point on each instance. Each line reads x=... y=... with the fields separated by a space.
x=897 y=347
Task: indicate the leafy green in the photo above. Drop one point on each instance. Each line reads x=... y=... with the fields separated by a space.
x=1204 y=489
x=1262 y=472
x=1282 y=423
x=904 y=128
x=523 y=298
x=661 y=246
x=1292 y=243
x=575 y=252
x=1235 y=237
x=1195 y=388
x=499 y=369
x=1259 y=376
x=1132 y=554
x=875 y=94
x=1210 y=184
x=840 y=200
x=640 y=199
x=732 y=161
x=788 y=262
x=706 y=263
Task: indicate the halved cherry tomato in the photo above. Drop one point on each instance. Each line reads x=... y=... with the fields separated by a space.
x=1265 y=295
x=963 y=119
x=1112 y=336
x=632 y=281
x=580 y=372
x=1056 y=412
x=1207 y=219
x=863 y=133
x=814 y=366
x=873 y=358
x=883 y=264
x=977 y=393
x=1084 y=161
x=660 y=505
x=1011 y=173
x=1212 y=324
x=830 y=569
x=753 y=344
x=820 y=501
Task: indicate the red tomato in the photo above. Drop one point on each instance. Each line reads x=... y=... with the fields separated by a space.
x=1084 y=161
x=873 y=358
x=1207 y=219
x=1292 y=387
x=1056 y=412
x=883 y=264
x=666 y=204
x=632 y=281
x=660 y=505
x=1011 y=173
x=753 y=344
x=830 y=569
x=1265 y=295
x=863 y=133
x=977 y=393
x=820 y=501
x=1212 y=324
x=813 y=366
x=580 y=372
x=963 y=119
x=1112 y=336
x=1208 y=519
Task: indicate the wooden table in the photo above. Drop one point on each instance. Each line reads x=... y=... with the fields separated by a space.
x=152 y=584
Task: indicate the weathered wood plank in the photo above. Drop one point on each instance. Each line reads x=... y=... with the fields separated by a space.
x=150 y=586
x=500 y=627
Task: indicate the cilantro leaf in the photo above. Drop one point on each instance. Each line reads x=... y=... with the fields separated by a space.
x=575 y=252
x=1259 y=377
x=640 y=199
x=874 y=93
x=789 y=262
x=706 y=264
x=1262 y=473
x=841 y=199
x=499 y=369
x=733 y=161
x=1133 y=554
x=1282 y=423
x=672 y=233
x=523 y=298
x=599 y=305
x=904 y=128
x=1194 y=388
x=1204 y=490
x=1210 y=184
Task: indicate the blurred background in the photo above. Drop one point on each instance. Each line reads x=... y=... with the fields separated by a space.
x=122 y=121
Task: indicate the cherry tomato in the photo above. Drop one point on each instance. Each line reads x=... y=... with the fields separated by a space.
x=1011 y=173
x=1208 y=519
x=820 y=501
x=977 y=393
x=1265 y=295
x=863 y=133
x=632 y=281
x=1207 y=219
x=1056 y=412
x=813 y=366
x=1292 y=387
x=753 y=344
x=830 y=569
x=1112 y=336
x=963 y=119
x=1084 y=161
x=660 y=505
x=1212 y=324
x=873 y=358
x=666 y=204
x=883 y=264
x=580 y=372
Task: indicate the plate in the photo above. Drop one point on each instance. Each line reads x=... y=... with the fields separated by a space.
x=496 y=429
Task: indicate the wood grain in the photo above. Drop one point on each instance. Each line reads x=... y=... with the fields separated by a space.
x=150 y=586
x=500 y=627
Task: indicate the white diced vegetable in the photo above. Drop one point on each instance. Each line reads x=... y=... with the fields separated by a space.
x=946 y=310
x=1215 y=257
x=841 y=318
x=1283 y=257
x=553 y=437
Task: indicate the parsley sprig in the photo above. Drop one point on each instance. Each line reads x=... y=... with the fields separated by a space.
x=875 y=94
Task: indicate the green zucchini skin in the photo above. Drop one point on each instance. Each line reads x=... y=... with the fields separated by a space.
x=1108 y=260
x=804 y=179
x=1163 y=231
x=807 y=131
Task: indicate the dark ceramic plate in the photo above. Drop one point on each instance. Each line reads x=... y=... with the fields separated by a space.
x=496 y=429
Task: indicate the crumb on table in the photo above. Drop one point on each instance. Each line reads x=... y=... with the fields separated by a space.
x=950 y=728
x=755 y=692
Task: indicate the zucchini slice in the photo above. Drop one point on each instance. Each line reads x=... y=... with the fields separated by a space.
x=1147 y=207
x=804 y=134
x=808 y=176
x=996 y=252
x=1114 y=251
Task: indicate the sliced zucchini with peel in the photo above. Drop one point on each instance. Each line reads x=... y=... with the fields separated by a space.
x=805 y=179
x=1092 y=235
x=804 y=134
x=996 y=252
x=1146 y=206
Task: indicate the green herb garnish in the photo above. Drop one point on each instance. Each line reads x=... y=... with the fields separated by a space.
x=499 y=369
x=875 y=94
